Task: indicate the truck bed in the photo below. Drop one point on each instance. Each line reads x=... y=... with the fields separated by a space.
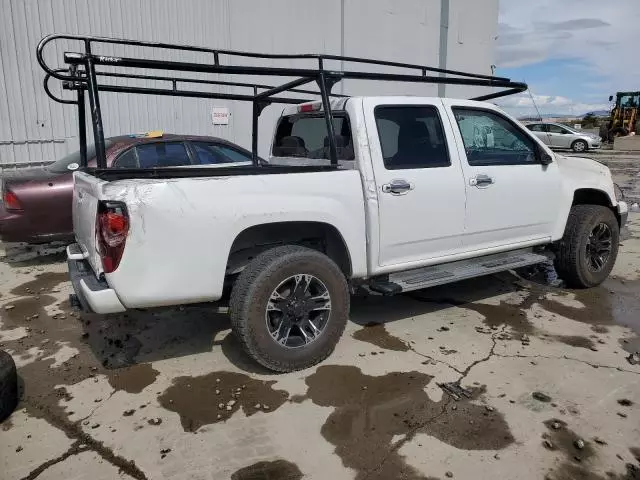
x=183 y=222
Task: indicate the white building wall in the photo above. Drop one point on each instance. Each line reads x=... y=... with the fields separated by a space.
x=35 y=129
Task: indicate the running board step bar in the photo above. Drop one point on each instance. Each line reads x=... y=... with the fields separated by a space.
x=452 y=272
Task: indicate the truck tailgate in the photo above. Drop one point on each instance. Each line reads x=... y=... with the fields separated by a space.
x=86 y=195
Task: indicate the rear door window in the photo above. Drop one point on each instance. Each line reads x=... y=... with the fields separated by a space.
x=126 y=160
x=234 y=155
x=557 y=129
x=411 y=137
x=208 y=153
x=163 y=154
x=306 y=136
x=71 y=162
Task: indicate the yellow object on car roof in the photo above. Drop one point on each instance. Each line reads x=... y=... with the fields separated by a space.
x=149 y=134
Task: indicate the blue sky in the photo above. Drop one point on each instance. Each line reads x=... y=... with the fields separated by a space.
x=572 y=53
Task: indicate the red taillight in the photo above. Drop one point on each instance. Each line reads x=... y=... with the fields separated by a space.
x=11 y=201
x=309 y=107
x=112 y=227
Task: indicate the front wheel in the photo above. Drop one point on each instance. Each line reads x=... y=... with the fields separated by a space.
x=589 y=247
x=289 y=307
x=8 y=385
x=579 y=146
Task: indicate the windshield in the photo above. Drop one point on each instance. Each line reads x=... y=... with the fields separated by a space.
x=630 y=101
x=71 y=162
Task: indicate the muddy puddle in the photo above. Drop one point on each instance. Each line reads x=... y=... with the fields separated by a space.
x=370 y=411
x=376 y=334
x=217 y=396
x=132 y=379
x=576 y=341
x=58 y=353
x=505 y=314
x=275 y=470
x=469 y=295
x=578 y=455
x=44 y=282
x=616 y=302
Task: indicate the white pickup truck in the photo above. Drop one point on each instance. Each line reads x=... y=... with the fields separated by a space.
x=428 y=191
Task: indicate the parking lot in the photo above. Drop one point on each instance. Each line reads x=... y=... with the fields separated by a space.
x=548 y=389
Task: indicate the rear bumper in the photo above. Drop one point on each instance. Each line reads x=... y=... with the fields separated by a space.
x=14 y=226
x=18 y=227
x=93 y=295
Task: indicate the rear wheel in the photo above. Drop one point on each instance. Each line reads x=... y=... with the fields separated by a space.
x=579 y=146
x=8 y=385
x=289 y=308
x=589 y=247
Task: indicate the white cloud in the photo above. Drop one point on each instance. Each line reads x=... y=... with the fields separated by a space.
x=526 y=100
x=601 y=34
x=526 y=104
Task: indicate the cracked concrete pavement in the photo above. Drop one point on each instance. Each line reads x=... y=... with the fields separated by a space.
x=169 y=394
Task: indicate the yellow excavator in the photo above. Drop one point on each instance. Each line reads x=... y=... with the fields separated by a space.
x=624 y=116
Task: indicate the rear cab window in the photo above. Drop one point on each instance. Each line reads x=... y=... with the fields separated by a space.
x=306 y=136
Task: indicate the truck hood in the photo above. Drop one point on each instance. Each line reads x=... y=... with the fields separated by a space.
x=582 y=168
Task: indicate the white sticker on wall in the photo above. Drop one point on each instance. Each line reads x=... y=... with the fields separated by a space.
x=220 y=115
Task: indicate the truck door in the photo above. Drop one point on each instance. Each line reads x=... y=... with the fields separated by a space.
x=512 y=199
x=418 y=180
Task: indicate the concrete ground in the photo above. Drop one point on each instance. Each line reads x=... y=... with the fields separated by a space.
x=169 y=394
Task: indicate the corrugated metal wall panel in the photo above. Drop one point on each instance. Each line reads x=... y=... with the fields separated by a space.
x=35 y=129
x=472 y=37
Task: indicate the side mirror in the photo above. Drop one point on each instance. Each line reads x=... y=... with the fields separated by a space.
x=611 y=98
x=542 y=156
x=545 y=158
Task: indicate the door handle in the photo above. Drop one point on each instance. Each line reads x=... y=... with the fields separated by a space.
x=481 y=181
x=397 y=187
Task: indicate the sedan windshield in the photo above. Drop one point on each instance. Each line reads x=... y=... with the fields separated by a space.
x=71 y=162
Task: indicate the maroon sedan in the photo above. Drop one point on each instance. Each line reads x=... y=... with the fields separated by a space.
x=36 y=202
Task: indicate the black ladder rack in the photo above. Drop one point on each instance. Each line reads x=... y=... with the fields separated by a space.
x=81 y=75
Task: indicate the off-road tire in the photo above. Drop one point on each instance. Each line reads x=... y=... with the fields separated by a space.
x=575 y=146
x=251 y=292
x=8 y=385
x=619 y=132
x=571 y=260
